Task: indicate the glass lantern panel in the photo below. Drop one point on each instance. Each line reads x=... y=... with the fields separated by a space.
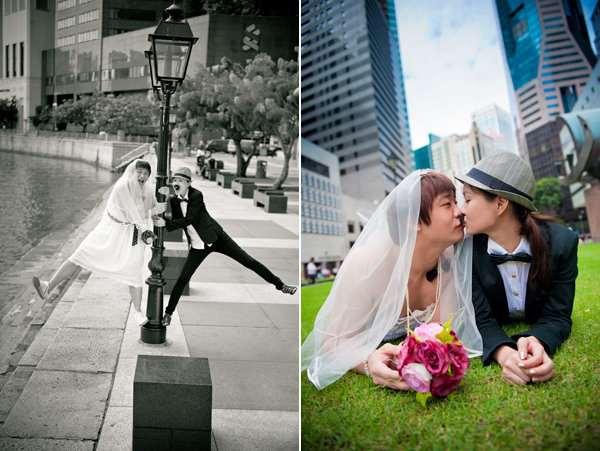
x=171 y=59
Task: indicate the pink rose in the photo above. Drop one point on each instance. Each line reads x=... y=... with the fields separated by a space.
x=434 y=356
x=417 y=376
x=428 y=331
x=442 y=386
x=459 y=360
x=407 y=352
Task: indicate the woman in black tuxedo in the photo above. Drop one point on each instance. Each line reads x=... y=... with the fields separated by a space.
x=524 y=268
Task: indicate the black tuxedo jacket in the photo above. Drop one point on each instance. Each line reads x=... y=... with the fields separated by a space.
x=207 y=228
x=550 y=313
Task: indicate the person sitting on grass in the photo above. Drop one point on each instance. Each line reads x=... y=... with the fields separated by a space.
x=524 y=268
x=115 y=248
x=410 y=265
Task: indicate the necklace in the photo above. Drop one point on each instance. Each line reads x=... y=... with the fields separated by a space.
x=438 y=291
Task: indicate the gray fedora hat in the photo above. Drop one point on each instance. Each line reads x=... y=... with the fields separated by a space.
x=505 y=174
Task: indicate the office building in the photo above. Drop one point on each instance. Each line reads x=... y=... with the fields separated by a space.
x=550 y=60
x=27 y=30
x=596 y=25
x=98 y=45
x=322 y=221
x=548 y=55
x=456 y=154
x=422 y=157
x=496 y=123
x=353 y=101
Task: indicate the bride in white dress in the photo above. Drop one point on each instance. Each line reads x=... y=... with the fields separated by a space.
x=410 y=265
x=115 y=248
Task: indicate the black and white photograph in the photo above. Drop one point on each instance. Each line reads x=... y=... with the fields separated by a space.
x=150 y=178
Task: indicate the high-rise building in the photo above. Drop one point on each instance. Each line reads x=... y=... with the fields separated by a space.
x=455 y=154
x=353 y=101
x=322 y=221
x=83 y=46
x=496 y=123
x=550 y=59
x=596 y=24
x=548 y=55
x=422 y=157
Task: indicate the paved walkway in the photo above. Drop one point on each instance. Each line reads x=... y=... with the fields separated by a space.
x=72 y=388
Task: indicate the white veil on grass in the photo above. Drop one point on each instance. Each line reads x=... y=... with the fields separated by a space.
x=368 y=294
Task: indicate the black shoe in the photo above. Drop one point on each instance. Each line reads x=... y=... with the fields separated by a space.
x=166 y=321
x=288 y=289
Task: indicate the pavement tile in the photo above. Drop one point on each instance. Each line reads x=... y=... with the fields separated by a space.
x=121 y=394
x=224 y=292
x=249 y=343
x=284 y=316
x=28 y=444
x=104 y=288
x=58 y=316
x=255 y=229
x=117 y=430
x=255 y=385
x=265 y=294
x=96 y=313
x=12 y=390
x=36 y=350
x=60 y=404
x=83 y=350
x=223 y=314
x=175 y=345
x=292 y=337
x=255 y=429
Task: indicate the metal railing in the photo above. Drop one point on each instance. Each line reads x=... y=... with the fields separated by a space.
x=130 y=156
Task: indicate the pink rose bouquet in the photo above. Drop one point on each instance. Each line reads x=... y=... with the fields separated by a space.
x=432 y=360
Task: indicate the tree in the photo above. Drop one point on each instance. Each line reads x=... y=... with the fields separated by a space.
x=80 y=111
x=129 y=113
x=239 y=7
x=281 y=112
x=43 y=117
x=9 y=112
x=260 y=99
x=548 y=195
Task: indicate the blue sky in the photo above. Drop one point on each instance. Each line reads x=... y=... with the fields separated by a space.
x=452 y=63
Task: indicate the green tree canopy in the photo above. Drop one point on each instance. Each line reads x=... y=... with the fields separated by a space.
x=548 y=195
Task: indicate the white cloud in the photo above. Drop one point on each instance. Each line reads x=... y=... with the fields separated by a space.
x=452 y=64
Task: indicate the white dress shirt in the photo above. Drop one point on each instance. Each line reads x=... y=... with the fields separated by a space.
x=195 y=239
x=514 y=275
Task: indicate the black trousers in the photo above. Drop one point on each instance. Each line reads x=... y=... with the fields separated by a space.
x=224 y=245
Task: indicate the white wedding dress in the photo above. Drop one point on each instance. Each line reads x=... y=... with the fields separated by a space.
x=108 y=250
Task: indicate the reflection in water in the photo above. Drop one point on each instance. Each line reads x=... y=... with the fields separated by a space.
x=39 y=195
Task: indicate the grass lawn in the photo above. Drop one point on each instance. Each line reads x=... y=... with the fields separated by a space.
x=484 y=413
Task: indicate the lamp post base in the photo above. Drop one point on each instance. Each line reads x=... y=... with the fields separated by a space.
x=153 y=334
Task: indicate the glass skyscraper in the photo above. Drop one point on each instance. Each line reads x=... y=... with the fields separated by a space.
x=353 y=101
x=548 y=55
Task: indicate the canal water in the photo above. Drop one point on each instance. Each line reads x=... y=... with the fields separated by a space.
x=39 y=195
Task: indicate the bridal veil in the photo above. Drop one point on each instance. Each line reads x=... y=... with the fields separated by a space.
x=368 y=294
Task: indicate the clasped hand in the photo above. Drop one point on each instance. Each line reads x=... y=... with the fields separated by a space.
x=529 y=363
x=382 y=365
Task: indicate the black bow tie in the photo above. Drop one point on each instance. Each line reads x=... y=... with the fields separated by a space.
x=182 y=199
x=498 y=259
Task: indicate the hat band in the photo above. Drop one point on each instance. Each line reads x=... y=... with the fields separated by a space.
x=494 y=183
x=184 y=176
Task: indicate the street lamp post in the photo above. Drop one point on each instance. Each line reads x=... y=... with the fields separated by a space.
x=168 y=58
x=172 y=122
